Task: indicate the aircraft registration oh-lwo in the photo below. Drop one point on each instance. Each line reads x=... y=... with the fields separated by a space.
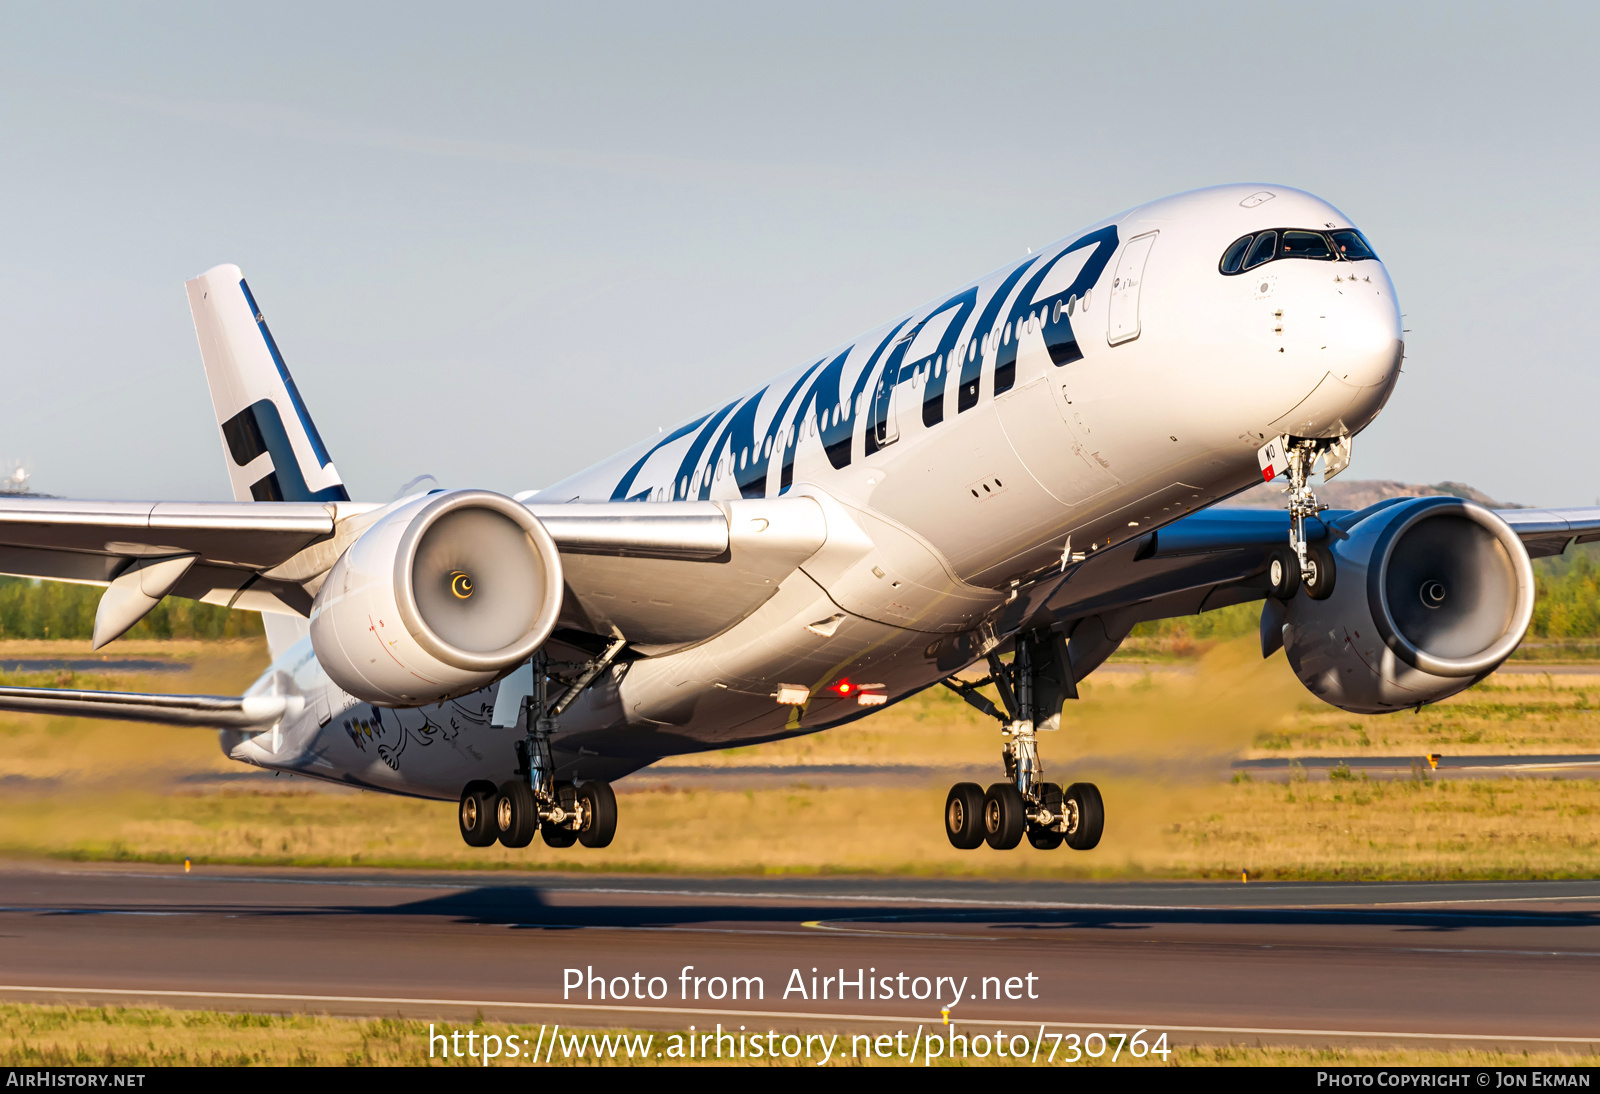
x=1012 y=475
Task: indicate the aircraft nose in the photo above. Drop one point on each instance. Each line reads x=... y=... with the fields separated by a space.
x=1340 y=330
x=1362 y=328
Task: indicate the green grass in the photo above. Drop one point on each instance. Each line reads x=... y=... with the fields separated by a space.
x=49 y=1035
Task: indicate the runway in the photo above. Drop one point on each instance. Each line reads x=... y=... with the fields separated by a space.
x=1471 y=963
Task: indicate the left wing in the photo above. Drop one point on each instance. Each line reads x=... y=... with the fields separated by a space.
x=1546 y=532
x=1543 y=532
x=1218 y=557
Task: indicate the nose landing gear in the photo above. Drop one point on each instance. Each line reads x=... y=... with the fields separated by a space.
x=1302 y=562
x=1032 y=689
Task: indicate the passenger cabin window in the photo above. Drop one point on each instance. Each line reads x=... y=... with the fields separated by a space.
x=1248 y=252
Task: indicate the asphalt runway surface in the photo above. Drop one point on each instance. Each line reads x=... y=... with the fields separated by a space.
x=108 y=665
x=1470 y=963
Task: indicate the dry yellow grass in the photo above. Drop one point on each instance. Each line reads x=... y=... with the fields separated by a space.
x=1158 y=744
x=181 y=649
x=1201 y=714
x=1509 y=713
x=69 y=1036
x=85 y=751
x=1331 y=829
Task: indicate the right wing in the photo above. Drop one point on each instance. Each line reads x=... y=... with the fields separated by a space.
x=661 y=575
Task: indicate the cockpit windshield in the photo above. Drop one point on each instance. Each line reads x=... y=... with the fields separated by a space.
x=1352 y=245
x=1248 y=252
x=1312 y=245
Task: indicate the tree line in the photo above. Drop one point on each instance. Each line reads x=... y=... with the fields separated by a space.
x=56 y=609
x=1567 y=606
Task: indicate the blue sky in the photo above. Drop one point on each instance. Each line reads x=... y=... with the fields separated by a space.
x=497 y=244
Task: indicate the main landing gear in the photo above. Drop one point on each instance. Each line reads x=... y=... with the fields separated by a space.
x=532 y=802
x=1032 y=688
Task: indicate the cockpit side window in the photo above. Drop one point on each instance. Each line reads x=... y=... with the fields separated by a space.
x=1264 y=250
x=1234 y=255
x=1352 y=245
x=1312 y=245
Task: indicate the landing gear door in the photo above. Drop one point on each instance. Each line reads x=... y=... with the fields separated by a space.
x=1127 y=279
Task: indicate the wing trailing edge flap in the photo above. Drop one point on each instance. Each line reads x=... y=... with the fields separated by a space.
x=211 y=711
x=663 y=597
x=1102 y=599
x=1546 y=532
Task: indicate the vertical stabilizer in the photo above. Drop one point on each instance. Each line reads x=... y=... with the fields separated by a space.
x=269 y=442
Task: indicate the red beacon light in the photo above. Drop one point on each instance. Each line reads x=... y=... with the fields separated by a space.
x=868 y=695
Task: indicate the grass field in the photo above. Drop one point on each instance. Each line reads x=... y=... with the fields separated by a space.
x=1510 y=828
x=45 y=1035
x=1158 y=743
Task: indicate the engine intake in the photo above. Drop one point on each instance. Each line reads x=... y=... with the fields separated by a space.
x=438 y=598
x=1432 y=595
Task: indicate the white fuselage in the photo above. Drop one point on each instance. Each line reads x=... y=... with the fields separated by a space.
x=965 y=454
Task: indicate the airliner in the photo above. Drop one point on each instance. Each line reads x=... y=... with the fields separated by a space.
x=985 y=493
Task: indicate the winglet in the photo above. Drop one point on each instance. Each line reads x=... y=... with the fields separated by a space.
x=273 y=450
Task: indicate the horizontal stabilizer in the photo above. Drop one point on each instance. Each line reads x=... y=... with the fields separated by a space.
x=215 y=711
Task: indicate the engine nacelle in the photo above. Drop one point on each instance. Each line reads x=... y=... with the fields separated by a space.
x=1429 y=597
x=436 y=599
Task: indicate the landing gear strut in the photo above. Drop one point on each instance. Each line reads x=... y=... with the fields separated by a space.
x=1302 y=562
x=1031 y=689
x=533 y=802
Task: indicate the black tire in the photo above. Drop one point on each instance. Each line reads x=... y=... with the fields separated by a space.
x=599 y=814
x=1086 y=816
x=560 y=835
x=1283 y=573
x=476 y=813
x=516 y=814
x=1048 y=839
x=1005 y=818
x=963 y=816
x=1320 y=587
